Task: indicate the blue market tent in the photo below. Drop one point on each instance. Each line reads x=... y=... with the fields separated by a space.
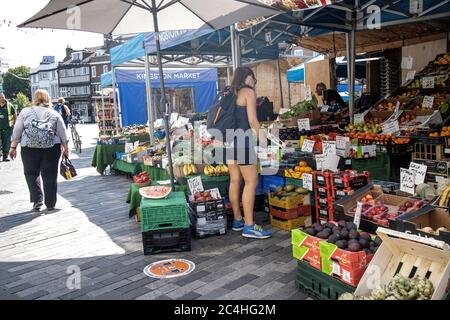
x=132 y=94
x=296 y=74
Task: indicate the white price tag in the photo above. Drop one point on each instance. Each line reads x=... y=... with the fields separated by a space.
x=428 y=102
x=304 y=124
x=308 y=145
x=195 y=184
x=308 y=95
x=201 y=221
x=329 y=148
x=358 y=118
x=407 y=62
x=320 y=160
x=128 y=147
x=190 y=127
x=308 y=181
x=173 y=118
x=357 y=219
x=215 y=193
x=428 y=82
x=336 y=268
x=324 y=108
x=135 y=145
x=390 y=127
x=419 y=171
x=331 y=162
x=407 y=181
x=342 y=142
x=410 y=75
x=397 y=107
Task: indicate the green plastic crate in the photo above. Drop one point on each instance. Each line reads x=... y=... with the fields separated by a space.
x=318 y=284
x=168 y=213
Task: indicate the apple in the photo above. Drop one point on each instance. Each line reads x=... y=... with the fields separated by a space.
x=408 y=204
x=200 y=199
x=419 y=204
x=378 y=202
x=384 y=222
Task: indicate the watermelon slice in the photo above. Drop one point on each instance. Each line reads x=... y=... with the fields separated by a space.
x=155 y=192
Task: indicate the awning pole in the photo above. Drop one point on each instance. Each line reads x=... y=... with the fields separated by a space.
x=148 y=94
x=233 y=47
x=349 y=68
x=280 y=82
x=352 y=62
x=116 y=110
x=163 y=93
x=289 y=93
x=103 y=108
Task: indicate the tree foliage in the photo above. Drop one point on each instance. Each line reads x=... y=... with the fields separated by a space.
x=21 y=101
x=13 y=84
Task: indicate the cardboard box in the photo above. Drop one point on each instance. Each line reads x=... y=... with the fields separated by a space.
x=306 y=248
x=408 y=255
x=347 y=266
x=427 y=217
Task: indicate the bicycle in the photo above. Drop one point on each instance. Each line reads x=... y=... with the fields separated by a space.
x=75 y=136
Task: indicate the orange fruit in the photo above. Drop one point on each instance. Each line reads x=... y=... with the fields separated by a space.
x=297 y=169
x=303 y=164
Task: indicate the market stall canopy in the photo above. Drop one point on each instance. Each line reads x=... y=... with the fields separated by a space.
x=118 y=17
x=106 y=79
x=132 y=91
x=375 y=22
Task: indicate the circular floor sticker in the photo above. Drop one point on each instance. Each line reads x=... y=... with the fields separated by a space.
x=170 y=268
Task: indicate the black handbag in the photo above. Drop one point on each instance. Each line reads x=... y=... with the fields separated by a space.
x=66 y=169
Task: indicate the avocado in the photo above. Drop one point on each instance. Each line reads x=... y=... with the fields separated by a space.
x=289 y=188
x=374 y=249
x=316 y=224
x=310 y=231
x=329 y=225
x=333 y=238
x=353 y=234
x=279 y=189
x=364 y=243
x=292 y=194
x=367 y=251
x=341 y=244
x=328 y=230
x=354 y=247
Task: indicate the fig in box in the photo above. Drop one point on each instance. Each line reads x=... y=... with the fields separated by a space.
x=346 y=253
x=305 y=246
x=409 y=256
x=429 y=223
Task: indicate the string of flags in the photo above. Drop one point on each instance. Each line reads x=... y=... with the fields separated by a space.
x=6 y=23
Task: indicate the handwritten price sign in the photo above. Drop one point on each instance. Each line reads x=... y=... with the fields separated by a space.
x=308 y=146
x=195 y=184
x=407 y=180
x=303 y=124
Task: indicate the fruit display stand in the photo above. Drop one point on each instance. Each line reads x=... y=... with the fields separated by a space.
x=408 y=255
x=134 y=197
x=123 y=166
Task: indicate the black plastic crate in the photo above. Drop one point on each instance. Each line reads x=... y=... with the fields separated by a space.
x=168 y=240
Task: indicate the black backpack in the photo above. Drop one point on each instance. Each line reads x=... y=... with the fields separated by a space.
x=222 y=114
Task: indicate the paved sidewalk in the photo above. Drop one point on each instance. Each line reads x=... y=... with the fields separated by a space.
x=92 y=232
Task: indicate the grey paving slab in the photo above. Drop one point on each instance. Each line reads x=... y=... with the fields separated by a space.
x=95 y=234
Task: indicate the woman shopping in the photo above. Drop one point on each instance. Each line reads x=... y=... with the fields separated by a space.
x=242 y=159
x=41 y=132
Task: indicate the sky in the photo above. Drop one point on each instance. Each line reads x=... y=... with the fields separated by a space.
x=27 y=46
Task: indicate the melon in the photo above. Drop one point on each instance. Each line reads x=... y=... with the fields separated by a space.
x=155 y=192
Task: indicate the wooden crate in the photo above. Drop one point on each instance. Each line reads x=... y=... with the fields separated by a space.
x=403 y=253
x=290 y=202
x=428 y=151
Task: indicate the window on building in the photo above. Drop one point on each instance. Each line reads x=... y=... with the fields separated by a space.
x=77 y=56
x=105 y=68
x=62 y=73
x=94 y=71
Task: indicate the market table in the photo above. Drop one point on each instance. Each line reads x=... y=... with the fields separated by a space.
x=104 y=155
x=379 y=167
x=134 y=197
x=131 y=168
x=155 y=172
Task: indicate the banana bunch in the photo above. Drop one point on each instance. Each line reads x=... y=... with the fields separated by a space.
x=219 y=170
x=189 y=169
x=445 y=198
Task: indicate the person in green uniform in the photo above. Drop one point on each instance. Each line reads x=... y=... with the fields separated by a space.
x=7 y=120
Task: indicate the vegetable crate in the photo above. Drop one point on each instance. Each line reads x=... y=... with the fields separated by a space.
x=344 y=193
x=289 y=214
x=290 y=202
x=298 y=183
x=289 y=225
x=325 y=213
x=344 y=265
x=317 y=284
x=168 y=213
x=344 y=181
x=306 y=248
x=323 y=179
x=168 y=240
x=408 y=255
x=324 y=192
x=428 y=151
